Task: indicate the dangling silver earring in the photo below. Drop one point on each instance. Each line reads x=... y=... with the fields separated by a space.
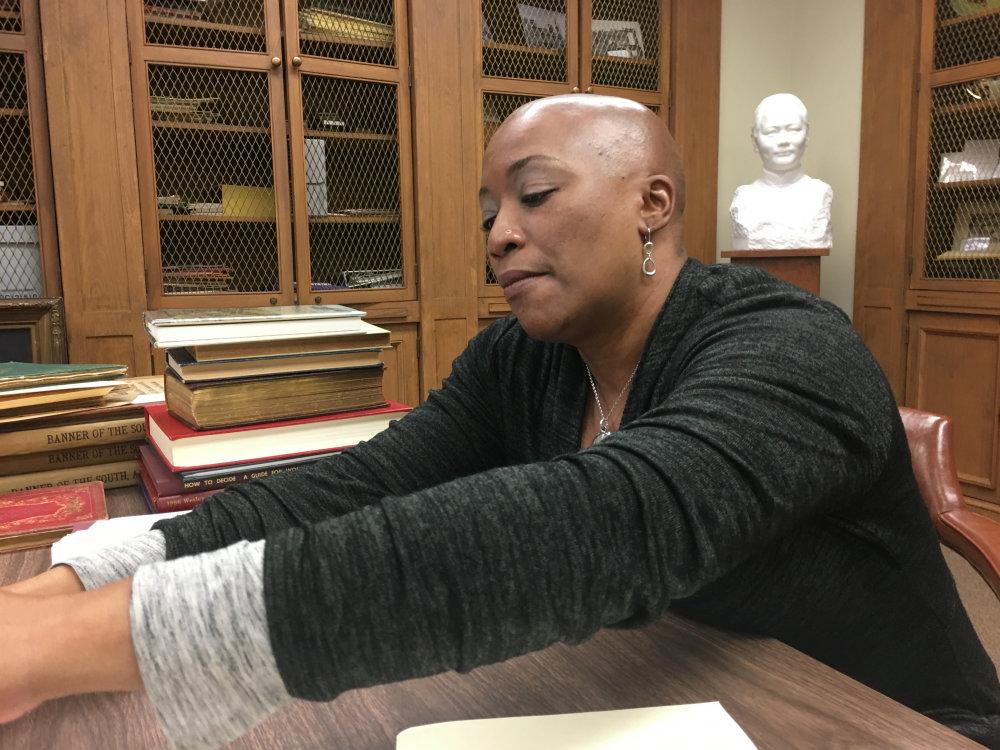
x=648 y=264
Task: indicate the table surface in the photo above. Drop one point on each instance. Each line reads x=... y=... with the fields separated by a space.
x=779 y=696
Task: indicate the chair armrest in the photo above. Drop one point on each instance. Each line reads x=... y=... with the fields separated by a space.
x=976 y=538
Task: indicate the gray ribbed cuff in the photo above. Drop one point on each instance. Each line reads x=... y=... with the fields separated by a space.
x=199 y=629
x=104 y=566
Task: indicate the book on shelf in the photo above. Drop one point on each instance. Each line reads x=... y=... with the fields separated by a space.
x=183 y=448
x=684 y=727
x=189 y=327
x=167 y=482
x=369 y=337
x=114 y=474
x=189 y=369
x=67 y=458
x=15 y=375
x=36 y=518
x=224 y=403
x=159 y=503
x=73 y=435
x=119 y=404
x=320 y=19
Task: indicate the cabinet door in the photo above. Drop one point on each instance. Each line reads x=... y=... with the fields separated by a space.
x=621 y=42
x=28 y=257
x=954 y=362
x=529 y=43
x=401 y=381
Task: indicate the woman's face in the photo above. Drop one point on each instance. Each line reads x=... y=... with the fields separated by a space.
x=562 y=228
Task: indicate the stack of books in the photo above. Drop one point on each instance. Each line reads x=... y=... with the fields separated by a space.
x=183 y=109
x=251 y=392
x=66 y=424
x=343 y=24
x=195 y=278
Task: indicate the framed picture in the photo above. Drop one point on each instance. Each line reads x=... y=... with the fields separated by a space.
x=542 y=28
x=977 y=229
x=614 y=38
x=32 y=330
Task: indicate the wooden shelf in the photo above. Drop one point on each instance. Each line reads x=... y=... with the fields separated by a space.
x=640 y=61
x=350 y=136
x=355 y=219
x=953 y=255
x=13 y=112
x=16 y=206
x=523 y=50
x=982 y=105
x=966 y=184
x=11 y=15
x=210 y=127
x=193 y=23
x=971 y=18
x=217 y=218
x=333 y=37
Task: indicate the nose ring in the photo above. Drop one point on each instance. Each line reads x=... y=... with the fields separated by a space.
x=508 y=232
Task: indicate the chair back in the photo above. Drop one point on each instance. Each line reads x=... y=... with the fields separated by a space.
x=931 y=450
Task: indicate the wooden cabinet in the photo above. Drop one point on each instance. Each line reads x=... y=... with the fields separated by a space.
x=256 y=152
x=927 y=298
x=28 y=256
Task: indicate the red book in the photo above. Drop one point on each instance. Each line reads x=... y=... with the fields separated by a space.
x=168 y=503
x=36 y=518
x=182 y=447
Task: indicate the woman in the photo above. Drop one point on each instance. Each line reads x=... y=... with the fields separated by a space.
x=644 y=432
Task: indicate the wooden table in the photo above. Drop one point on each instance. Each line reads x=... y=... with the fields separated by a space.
x=780 y=697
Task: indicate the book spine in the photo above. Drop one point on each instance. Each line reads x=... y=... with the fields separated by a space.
x=68 y=458
x=179 y=502
x=44 y=439
x=237 y=477
x=116 y=474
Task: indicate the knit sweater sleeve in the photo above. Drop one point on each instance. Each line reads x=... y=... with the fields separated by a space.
x=496 y=563
x=453 y=433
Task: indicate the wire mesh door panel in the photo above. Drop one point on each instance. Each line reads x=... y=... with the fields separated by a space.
x=968 y=31
x=496 y=109
x=624 y=44
x=214 y=180
x=236 y=25
x=962 y=225
x=20 y=256
x=354 y=30
x=10 y=16
x=352 y=183
x=526 y=40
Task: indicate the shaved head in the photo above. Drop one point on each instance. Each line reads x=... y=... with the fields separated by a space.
x=625 y=136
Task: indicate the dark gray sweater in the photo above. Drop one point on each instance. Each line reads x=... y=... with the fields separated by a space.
x=761 y=482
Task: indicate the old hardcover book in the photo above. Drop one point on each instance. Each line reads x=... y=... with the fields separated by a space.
x=173 y=328
x=371 y=336
x=183 y=363
x=226 y=403
x=167 y=482
x=119 y=404
x=115 y=474
x=158 y=503
x=55 y=437
x=32 y=374
x=68 y=458
x=183 y=448
x=39 y=517
x=50 y=397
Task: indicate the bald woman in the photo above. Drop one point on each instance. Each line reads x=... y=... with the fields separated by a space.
x=643 y=433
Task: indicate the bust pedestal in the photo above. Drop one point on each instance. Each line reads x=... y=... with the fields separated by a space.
x=799 y=266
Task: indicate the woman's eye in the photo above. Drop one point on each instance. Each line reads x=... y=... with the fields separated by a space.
x=534 y=199
x=488 y=223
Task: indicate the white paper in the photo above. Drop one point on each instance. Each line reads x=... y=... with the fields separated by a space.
x=696 y=726
x=103 y=534
x=83 y=384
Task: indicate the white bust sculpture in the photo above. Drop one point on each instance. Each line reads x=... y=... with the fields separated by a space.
x=783 y=208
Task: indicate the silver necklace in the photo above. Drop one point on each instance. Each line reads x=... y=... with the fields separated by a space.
x=604 y=425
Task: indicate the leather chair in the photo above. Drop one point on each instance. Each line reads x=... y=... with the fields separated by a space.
x=972 y=535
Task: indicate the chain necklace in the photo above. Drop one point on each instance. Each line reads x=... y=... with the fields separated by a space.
x=604 y=425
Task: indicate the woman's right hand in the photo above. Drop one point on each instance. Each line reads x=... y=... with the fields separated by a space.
x=61 y=579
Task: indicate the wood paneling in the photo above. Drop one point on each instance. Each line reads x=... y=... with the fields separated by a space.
x=400 y=360
x=953 y=369
x=884 y=189
x=694 y=116
x=86 y=61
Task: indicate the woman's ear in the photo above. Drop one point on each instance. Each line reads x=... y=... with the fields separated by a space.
x=659 y=202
